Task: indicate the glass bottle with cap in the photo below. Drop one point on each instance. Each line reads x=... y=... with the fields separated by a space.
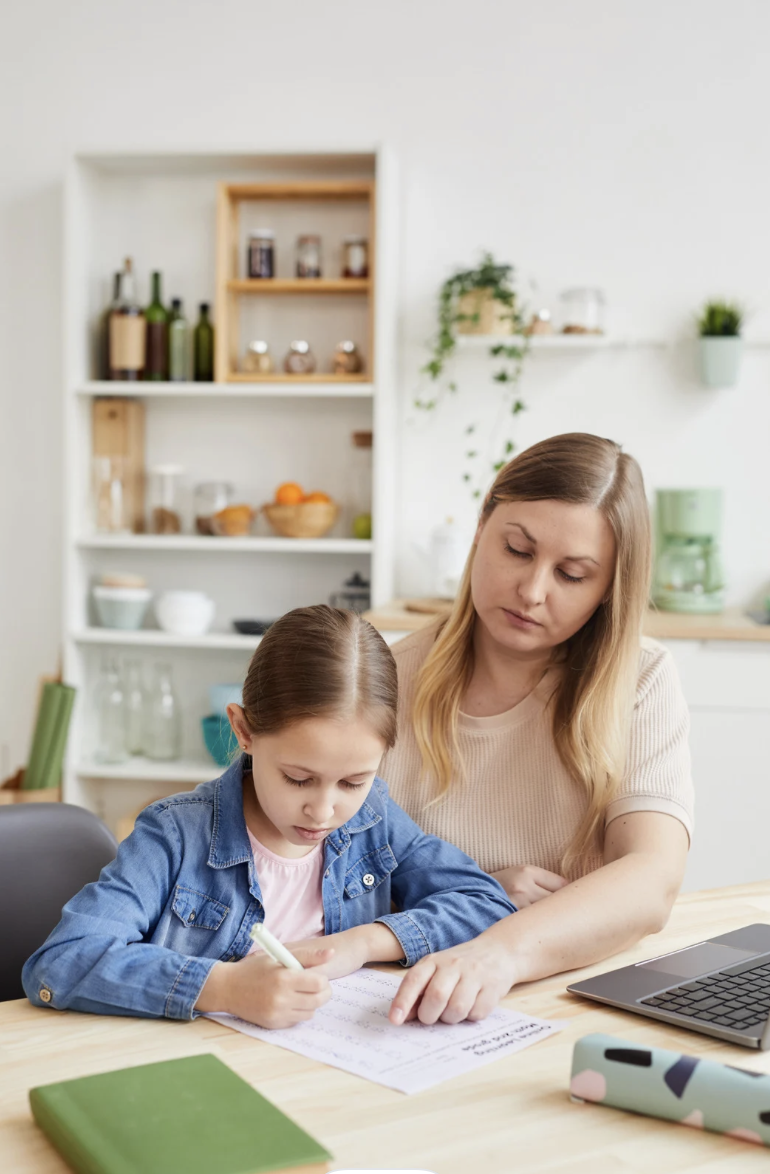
x=260 y=254
x=257 y=360
x=356 y=257
x=360 y=486
x=347 y=359
x=309 y=256
x=300 y=360
x=164 y=515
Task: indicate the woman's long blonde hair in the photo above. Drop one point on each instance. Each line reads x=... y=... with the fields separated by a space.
x=593 y=702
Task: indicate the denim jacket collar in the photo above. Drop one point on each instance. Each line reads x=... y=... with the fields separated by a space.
x=230 y=839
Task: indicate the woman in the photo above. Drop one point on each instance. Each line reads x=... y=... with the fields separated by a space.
x=542 y=734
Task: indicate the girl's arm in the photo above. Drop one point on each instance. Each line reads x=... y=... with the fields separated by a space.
x=97 y=958
x=602 y=913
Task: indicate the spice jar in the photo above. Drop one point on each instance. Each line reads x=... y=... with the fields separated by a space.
x=210 y=498
x=260 y=254
x=163 y=512
x=356 y=257
x=257 y=360
x=111 y=515
x=347 y=359
x=300 y=360
x=308 y=256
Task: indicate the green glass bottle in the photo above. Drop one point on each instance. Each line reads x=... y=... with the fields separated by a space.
x=178 y=344
x=156 y=366
x=204 y=347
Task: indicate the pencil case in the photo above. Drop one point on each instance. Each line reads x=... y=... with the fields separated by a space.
x=700 y=1093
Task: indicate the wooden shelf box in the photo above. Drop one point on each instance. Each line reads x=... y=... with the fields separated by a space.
x=232 y=284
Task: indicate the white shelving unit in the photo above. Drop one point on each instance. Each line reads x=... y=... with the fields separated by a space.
x=161 y=210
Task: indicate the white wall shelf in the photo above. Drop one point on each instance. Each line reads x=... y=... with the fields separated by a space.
x=142 y=770
x=152 y=638
x=200 y=544
x=560 y=342
x=298 y=390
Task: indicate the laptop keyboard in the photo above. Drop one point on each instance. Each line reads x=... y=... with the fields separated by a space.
x=739 y=1001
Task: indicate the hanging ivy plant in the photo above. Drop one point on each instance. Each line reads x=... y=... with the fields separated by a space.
x=494 y=287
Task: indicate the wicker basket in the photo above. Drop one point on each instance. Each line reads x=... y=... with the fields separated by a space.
x=307 y=519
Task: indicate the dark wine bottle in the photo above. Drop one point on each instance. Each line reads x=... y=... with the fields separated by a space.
x=204 y=347
x=128 y=330
x=103 y=333
x=156 y=367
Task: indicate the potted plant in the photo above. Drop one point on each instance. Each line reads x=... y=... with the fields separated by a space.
x=719 y=327
x=481 y=301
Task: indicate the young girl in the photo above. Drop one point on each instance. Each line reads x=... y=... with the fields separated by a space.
x=299 y=833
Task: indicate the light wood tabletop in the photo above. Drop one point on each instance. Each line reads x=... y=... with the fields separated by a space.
x=514 y=1115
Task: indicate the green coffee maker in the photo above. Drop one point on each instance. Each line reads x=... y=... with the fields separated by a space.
x=688 y=569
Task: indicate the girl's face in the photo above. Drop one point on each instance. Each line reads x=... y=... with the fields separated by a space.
x=540 y=571
x=309 y=778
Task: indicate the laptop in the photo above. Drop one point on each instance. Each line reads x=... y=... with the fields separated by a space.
x=719 y=987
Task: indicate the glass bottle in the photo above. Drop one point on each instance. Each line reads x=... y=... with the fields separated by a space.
x=135 y=706
x=164 y=514
x=109 y=496
x=128 y=330
x=356 y=257
x=111 y=715
x=103 y=339
x=204 y=347
x=156 y=367
x=260 y=254
x=300 y=360
x=162 y=728
x=178 y=344
x=257 y=360
x=360 y=485
x=347 y=359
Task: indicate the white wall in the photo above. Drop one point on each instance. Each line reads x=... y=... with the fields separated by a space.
x=598 y=143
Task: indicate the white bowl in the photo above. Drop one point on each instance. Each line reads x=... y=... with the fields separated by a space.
x=185 y=613
x=121 y=607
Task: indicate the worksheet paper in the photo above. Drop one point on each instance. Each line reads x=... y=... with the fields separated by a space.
x=352 y=1032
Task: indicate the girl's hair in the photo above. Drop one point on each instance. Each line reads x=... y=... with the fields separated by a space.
x=593 y=702
x=321 y=662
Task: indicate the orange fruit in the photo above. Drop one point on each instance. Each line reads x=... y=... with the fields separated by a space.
x=317 y=495
x=290 y=493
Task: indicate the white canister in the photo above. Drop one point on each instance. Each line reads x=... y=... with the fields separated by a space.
x=448 y=555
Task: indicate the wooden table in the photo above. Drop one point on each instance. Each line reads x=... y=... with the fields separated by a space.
x=512 y=1116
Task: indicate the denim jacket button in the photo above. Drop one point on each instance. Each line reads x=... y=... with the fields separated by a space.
x=368 y=879
x=45 y=994
x=191 y=918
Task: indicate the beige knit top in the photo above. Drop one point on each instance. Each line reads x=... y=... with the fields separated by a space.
x=519 y=805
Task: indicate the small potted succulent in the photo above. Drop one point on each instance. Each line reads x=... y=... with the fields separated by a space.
x=720 y=343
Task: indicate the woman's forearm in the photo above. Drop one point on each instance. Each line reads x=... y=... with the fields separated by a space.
x=588 y=920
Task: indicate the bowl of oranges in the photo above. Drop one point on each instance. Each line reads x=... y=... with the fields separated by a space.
x=296 y=514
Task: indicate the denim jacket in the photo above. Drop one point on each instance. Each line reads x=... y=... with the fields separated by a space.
x=183 y=893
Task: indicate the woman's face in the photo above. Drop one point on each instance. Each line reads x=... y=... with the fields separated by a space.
x=540 y=570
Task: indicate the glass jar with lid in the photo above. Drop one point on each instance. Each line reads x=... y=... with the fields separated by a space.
x=309 y=256
x=257 y=360
x=300 y=360
x=347 y=359
x=164 y=515
x=260 y=254
x=210 y=498
x=356 y=256
x=583 y=311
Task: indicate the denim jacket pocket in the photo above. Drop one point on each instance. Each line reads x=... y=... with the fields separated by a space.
x=196 y=910
x=370 y=871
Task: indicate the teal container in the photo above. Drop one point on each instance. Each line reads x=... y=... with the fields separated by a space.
x=720 y=360
x=219 y=739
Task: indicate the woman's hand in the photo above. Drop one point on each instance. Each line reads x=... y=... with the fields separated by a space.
x=526 y=883
x=353 y=948
x=465 y=982
x=260 y=991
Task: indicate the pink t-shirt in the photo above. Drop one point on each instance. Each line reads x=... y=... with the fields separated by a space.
x=291 y=893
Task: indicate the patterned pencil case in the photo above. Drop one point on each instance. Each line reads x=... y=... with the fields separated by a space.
x=659 y=1083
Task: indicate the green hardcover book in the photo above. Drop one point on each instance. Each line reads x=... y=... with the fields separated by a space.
x=42 y=739
x=189 y=1116
x=51 y=776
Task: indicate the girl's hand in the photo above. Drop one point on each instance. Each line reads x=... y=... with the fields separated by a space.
x=465 y=982
x=353 y=948
x=260 y=991
x=526 y=883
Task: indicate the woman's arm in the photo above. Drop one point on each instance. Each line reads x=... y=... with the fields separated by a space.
x=602 y=913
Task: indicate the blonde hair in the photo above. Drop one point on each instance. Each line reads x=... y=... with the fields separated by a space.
x=321 y=662
x=593 y=701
